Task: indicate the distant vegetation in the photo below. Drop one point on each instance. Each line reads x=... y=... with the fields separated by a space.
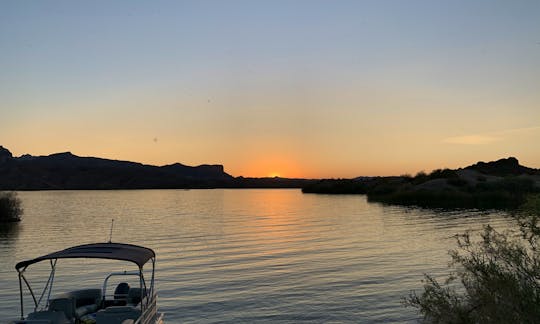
x=10 y=207
x=494 y=279
x=502 y=184
x=506 y=193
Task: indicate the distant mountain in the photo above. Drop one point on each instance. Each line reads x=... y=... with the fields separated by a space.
x=69 y=171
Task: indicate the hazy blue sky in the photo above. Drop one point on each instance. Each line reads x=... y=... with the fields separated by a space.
x=296 y=88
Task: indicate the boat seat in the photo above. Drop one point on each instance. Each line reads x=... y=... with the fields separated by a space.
x=85 y=296
x=86 y=309
x=47 y=317
x=86 y=300
x=134 y=296
x=121 y=294
x=65 y=305
x=117 y=314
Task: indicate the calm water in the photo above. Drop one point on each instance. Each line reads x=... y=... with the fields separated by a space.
x=244 y=255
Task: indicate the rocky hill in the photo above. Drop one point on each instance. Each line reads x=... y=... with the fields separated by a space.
x=66 y=171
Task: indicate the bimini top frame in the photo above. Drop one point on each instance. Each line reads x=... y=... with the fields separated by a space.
x=139 y=255
x=116 y=251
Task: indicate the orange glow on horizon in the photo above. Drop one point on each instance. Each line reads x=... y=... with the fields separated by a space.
x=274 y=166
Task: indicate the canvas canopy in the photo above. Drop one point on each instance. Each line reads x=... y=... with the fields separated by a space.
x=115 y=251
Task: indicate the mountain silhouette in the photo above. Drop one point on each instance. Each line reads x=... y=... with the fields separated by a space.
x=67 y=171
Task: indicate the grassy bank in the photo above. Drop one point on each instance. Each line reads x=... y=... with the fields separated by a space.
x=443 y=188
x=506 y=193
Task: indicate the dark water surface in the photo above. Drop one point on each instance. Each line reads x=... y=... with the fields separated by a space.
x=244 y=255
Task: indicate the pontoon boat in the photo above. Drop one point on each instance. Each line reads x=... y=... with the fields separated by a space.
x=136 y=305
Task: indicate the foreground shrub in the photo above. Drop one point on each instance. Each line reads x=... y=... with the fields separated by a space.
x=10 y=207
x=495 y=277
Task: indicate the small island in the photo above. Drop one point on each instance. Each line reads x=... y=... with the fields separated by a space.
x=501 y=184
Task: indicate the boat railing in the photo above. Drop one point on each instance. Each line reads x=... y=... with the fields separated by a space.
x=150 y=312
x=119 y=273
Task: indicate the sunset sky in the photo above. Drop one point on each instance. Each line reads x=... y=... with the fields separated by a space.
x=289 y=88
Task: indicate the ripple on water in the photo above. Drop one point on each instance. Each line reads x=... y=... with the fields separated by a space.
x=246 y=255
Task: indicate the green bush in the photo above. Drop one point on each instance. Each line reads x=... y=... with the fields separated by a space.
x=457 y=182
x=495 y=277
x=10 y=207
x=444 y=174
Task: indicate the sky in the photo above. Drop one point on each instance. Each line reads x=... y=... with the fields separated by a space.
x=314 y=89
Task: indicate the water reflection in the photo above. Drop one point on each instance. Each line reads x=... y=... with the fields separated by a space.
x=250 y=255
x=9 y=232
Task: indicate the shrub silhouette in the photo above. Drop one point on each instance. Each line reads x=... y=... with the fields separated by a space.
x=495 y=277
x=10 y=207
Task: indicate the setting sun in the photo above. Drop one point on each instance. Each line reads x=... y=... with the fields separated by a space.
x=275 y=165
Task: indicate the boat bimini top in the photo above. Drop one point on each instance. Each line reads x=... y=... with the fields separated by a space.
x=116 y=251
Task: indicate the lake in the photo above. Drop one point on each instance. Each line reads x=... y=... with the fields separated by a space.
x=231 y=256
